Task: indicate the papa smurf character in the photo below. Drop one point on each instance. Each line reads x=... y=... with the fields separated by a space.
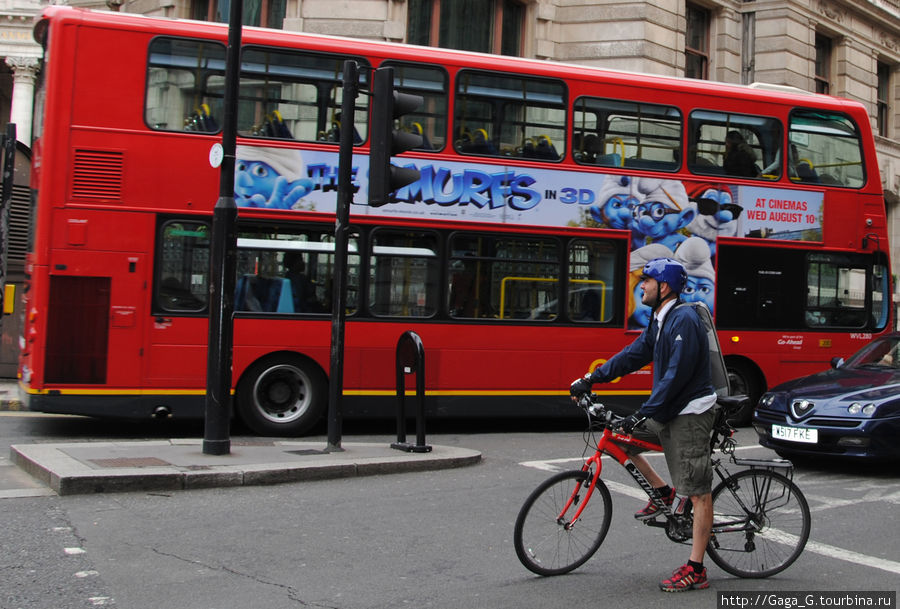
x=700 y=286
x=639 y=313
x=617 y=198
x=269 y=177
x=718 y=215
x=664 y=210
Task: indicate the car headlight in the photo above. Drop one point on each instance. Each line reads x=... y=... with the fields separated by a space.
x=766 y=400
x=856 y=408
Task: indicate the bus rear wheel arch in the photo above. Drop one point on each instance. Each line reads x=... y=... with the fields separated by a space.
x=745 y=378
x=283 y=394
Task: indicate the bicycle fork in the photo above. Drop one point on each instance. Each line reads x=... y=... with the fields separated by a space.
x=585 y=487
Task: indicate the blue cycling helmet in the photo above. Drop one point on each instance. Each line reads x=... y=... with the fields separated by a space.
x=666 y=270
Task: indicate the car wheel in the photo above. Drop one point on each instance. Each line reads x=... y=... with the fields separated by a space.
x=282 y=395
x=744 y=381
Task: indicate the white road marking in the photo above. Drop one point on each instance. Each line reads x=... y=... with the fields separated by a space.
x=811 y=546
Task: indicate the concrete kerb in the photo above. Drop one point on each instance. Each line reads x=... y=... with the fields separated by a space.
x=102 y=467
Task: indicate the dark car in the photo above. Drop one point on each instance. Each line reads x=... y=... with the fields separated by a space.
x=852 y=410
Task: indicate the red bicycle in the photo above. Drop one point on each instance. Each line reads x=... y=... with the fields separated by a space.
x=761 y=519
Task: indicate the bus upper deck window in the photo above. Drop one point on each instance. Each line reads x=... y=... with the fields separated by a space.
x=296 y=95
x=614 y=133
x=735 y=145
x=510 y=115
x=825 y=148
x=185 y=85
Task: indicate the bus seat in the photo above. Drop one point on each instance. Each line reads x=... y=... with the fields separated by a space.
x=201 y=119
x=609 y=160
x=285 y=296
x=544 y=149
x=417 y=129
x=805 y=171
x=477 y=142
x=207 y=121
x=275 y=126
x=245 y=298
x=334 y=134
x=528 y=149
x=481 y=143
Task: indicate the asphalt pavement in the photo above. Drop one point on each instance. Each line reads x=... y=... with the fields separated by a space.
x=181 y=464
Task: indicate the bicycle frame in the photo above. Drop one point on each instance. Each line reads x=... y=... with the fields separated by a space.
x=609 y=444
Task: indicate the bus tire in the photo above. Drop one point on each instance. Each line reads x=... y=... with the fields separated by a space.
x=744 y=380
x=282 y=395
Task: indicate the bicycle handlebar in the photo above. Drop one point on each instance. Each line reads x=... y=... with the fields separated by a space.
x=589 y=402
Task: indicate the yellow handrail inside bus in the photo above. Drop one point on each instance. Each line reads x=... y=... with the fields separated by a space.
x=616 y=141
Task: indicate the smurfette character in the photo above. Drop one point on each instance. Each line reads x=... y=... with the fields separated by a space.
x=663 y=211
x=617 y=198
x=718 y=214
x=269 y=177
x=639 y=313
x=700 y=286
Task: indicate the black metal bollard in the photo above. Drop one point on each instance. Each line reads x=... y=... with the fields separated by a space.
x=410 y=360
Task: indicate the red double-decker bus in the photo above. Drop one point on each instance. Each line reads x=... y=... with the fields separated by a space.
x=544 y=189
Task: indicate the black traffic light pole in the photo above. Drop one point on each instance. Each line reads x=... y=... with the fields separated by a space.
x=384 y=178
x=223 y=260
x=349 y=92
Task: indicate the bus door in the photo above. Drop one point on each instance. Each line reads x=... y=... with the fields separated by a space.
x=179 y=329
x=94 y=331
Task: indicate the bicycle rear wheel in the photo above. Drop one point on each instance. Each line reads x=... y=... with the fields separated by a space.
x=760 y=524
x=546 y=540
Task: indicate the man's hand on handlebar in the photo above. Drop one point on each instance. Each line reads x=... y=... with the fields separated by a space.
x=629 y=423
x=580 y=386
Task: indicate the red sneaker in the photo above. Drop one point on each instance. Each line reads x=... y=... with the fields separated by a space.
x=685 y=578
x=650 y=510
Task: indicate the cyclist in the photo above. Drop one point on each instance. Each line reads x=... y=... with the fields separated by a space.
x=679 y=413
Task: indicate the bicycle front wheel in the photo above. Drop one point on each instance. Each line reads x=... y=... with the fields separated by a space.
x=547 y=539
x=760 y=524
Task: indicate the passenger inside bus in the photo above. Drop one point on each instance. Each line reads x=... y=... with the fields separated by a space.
x=739 y=159
x=304 y=291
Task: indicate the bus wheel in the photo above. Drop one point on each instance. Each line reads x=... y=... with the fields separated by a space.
x=744 y=381
x=282 y=396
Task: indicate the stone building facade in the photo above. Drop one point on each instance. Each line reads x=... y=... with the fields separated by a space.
x=848 y=48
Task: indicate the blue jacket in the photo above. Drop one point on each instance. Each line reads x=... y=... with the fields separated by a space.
x=680 y=363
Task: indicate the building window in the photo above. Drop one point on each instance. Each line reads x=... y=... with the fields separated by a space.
x=823 y=64
x=265 y=13
x=696 y=43
x=884 y=92
x=487 y=26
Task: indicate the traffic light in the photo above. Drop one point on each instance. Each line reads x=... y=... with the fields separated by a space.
x=387 y=105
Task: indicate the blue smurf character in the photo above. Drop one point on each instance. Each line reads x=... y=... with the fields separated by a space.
x=663 y=211
x=639 y=313
x=616 y=200
x=718 y=215
x=694 y=255
x=269 y=177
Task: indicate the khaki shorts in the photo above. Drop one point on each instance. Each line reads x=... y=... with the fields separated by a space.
x=685 y=442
